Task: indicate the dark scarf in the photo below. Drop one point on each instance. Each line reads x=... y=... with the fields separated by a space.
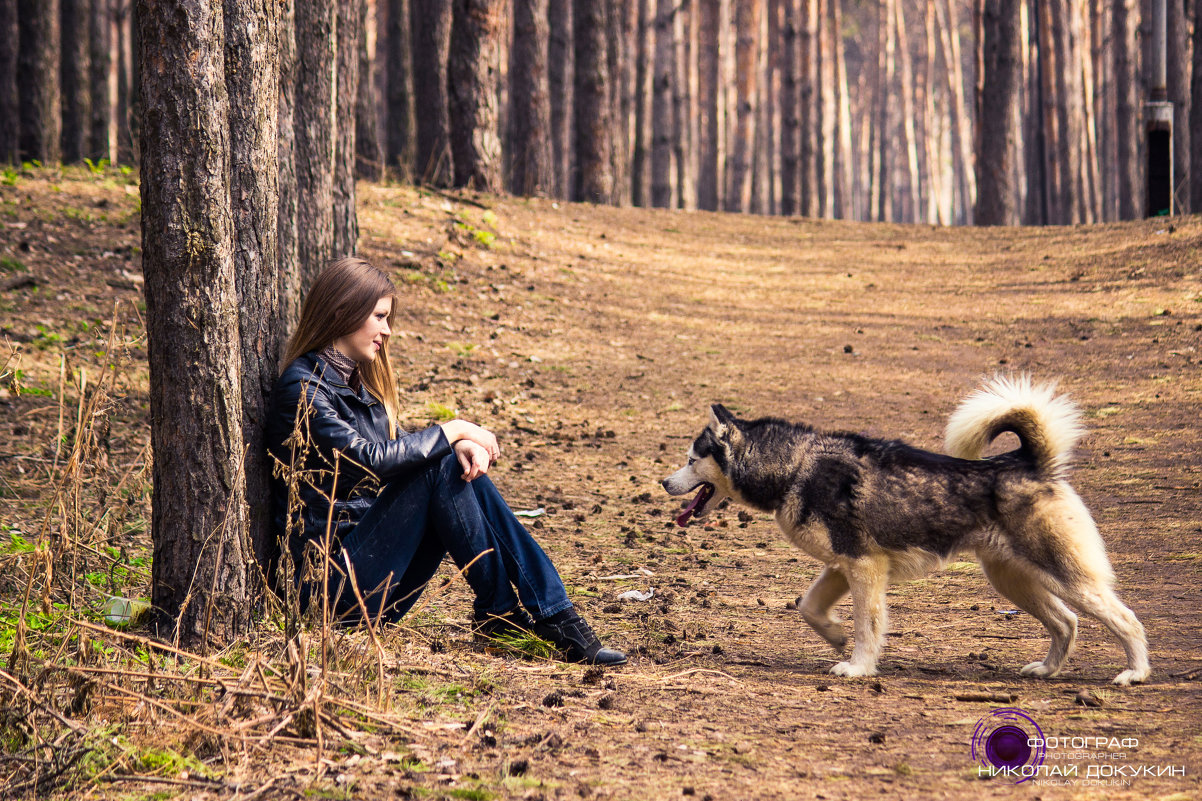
x=346 y=367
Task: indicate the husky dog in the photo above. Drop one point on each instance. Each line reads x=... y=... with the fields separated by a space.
x=879 y=511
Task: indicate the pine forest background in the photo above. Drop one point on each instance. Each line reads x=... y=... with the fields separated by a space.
x=847 y=110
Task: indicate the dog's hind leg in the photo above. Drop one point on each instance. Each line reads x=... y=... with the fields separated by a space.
x=1024 y=587
x=868 y=579
x=1099 y=601
x=815 y=606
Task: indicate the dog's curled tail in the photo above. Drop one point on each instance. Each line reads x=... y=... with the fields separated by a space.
x=1048 y=425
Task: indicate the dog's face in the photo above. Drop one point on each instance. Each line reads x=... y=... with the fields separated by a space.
x=705 y=471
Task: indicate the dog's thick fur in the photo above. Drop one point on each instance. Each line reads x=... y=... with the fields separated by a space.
x=879 y=511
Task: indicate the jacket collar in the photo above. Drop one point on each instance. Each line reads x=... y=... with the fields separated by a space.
x=325 y=372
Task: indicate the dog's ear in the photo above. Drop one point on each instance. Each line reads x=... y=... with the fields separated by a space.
x=721 y=420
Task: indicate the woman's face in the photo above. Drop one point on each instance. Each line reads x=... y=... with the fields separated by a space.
x=365 y=343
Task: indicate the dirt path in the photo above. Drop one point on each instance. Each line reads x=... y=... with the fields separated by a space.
x=593 y=340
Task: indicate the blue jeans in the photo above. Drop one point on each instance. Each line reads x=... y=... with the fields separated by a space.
x=398 y=545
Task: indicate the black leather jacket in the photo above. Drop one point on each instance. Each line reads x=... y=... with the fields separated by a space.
x=319 y=428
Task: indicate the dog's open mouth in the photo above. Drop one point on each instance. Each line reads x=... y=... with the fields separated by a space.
x=706 y=492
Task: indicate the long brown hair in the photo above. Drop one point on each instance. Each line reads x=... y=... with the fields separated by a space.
x=340 y=300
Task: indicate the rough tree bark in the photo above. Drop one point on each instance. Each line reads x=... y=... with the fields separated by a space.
x=430 y=27
x=313 y=121
x=595 y=181
x=1195 y=117
x=201 y=559
x=252 y=44
x=709 y=134
x=76 y=68
x=10 y=128
x=38 y=80
x=529 y=101
x=472 y=68
x=346 y=100
x=790 y=129
x=997 y=202
x=289 y=273
x=640 y=176
x=1180 y=66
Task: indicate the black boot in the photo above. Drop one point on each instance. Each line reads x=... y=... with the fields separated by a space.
x=568 y=632
x=514 y=623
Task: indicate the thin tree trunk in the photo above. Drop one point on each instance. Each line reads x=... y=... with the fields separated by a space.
x=252 y=30
x=807 y=77
x=530 y=101
x=640 y=176
x=100 y=37
x=884 y=178
x=561 y=81
x=430 y=22
x=10 y=107
x=38 y=80
x=965 y=178
x=684 y=101
x=200 y=571
x=369 y=153
x=401 y=129
x=123 y=13
x=1179 y=68
x=314 y=112
x=662 y=127
x=76 y=66
x=472 y=102
x=844 y=156
x=747 y=25
x=349 y=29
x=906 y=79
x=1127 y=109
x=709 y=169
x=615 y=47
x=790 y=175
x=1195 y=117
x=595 y=183
x=996 y=201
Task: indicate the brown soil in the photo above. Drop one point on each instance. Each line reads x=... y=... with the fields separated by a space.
x=592 y=340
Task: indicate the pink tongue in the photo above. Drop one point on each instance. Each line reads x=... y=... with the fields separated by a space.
x=703 y=495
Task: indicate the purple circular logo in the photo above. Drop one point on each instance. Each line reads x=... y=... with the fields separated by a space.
x=1008 y=743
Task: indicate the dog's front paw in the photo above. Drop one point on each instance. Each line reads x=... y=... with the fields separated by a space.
x=1039 y=670
x=1128 y=677
x=851 y=670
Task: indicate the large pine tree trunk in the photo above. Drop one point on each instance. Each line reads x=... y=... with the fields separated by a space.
x=313 y=120
x=38 y=80
x=561 y=83
x=1127 y=108
x=595 y=182
x=10 y=128
x=529 y=101
x=996 y=198
x=472 y=103
x=201 y=559
x=252 y=33
x=100 y=38
x=76 y=66
x=346 y=100
x=430 y=27
x=400 y=138
x=369 y=153
x=747 y=47
x=663 y=130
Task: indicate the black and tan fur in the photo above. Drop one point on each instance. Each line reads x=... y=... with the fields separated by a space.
x=880 y=511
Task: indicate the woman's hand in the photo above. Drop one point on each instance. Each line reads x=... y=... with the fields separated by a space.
x=459 y=430
x=473 y=458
